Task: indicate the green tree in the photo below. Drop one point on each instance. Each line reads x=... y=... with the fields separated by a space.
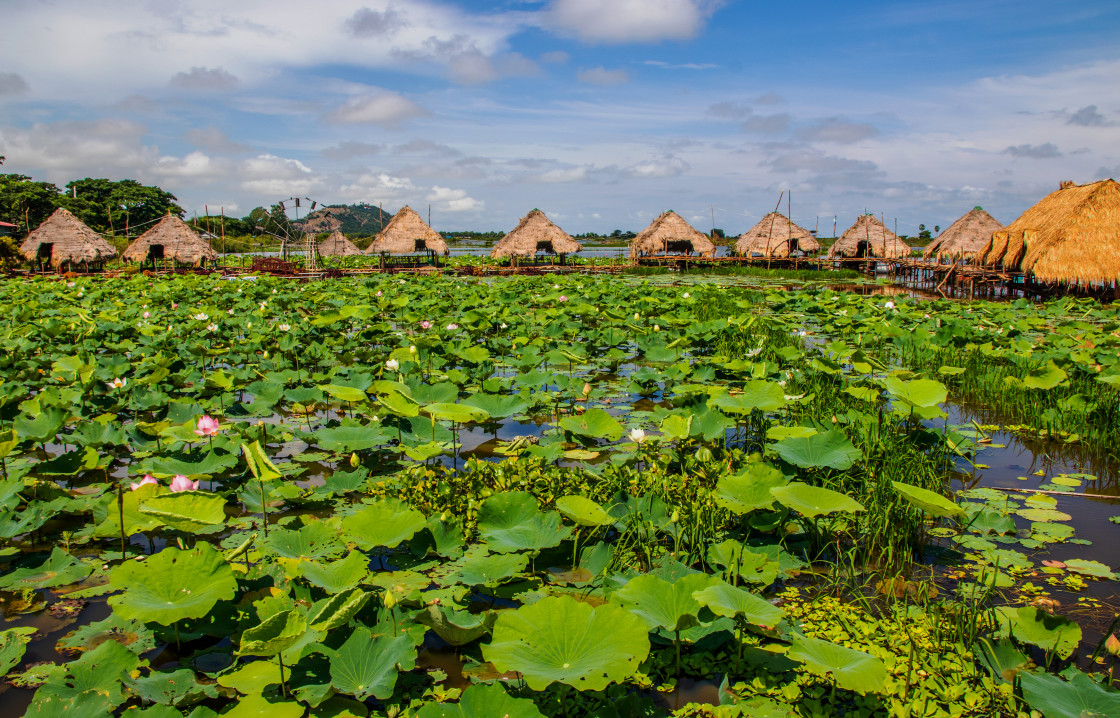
x=107 y=205
x=26 y=203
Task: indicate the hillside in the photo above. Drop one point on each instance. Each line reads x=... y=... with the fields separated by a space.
x=354 y=219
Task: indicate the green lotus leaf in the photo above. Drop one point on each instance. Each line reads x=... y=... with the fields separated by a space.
x=276 y=633
x=831 y=449
x=335 y=576
x=928 y=501
x=1032 y=625
x=457 y=628
x=814 y=501
x=260 y=466
x=1081 y=697
x=190 y=511
x=60 y=569
x=344 y=393
x=131 y=634
x=749 y=489
x=423 y=452
x=172 y=585
x=1045 y=377
x=1090 y=568
x=212 y=464
x=482 y=700
x=382 y=524
x=479 y=568
x=259 y=706
x=662 y=604
x=499 y=406
x=863 y=393
x=1001 y=658
x=511 y=522
x=351 y=436
x=593 y=423
x=851 y=669
x=583 y=511
x=67 y=464
x=336 y=610
x=251 y=677
x=43 y=427
x=13 y=644
x=399 y=404
x=364 y=666
x=723 y=599
x=919 y=392
x=761 y=395
x=443 y=393
x=456 y=413
x=747 y=565
x=173 y=689
x=90 y=684
x=560 y=639
x=316 y=539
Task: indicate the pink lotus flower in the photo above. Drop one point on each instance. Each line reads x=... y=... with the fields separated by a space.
x=146 y=480
x=425 y=324
x=207 y=426
x=174 y=305
x=182 y=483
x=563 y=298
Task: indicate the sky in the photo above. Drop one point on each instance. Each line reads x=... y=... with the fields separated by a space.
x=602 y=113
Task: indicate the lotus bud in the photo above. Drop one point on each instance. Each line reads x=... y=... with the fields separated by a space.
x=676 y=517
x=412 y=350
x=656 y=327
x=354 y=460
x=265 y=354
x=586 y=388
x=390 y=600
x=1112 y=644
x=637 y=316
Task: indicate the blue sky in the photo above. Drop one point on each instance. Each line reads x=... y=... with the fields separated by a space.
x=602 y=113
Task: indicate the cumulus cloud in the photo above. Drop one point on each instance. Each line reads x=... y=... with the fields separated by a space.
x=196 y=166
x=1035 y=152
x=558 y=175
x=92 y=148
x=372 y=23
x=350 y=149
x=624 y=21
x=215 y=140
x=602 y=76
x=1087 y=117
x=386 y=109
x=453 y=200
x=767 y=124
x=12 y=84
x=204 y=79
x=667 y=166
x=378 y=187
x=835 y=129
x=272 y=175
x=475 y=68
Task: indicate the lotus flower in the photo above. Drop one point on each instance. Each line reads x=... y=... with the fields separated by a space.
x=563 y=298
x=1112 y=644
x=147 y=314
x=201 y=316
x=889 y=305
x=504 y=325
x=686 y=295
x=284 y=327
x=638 y=436
x=182 y=483
x=452 y=327
x=377 y=293
x=425 y=324
x=211 y=327
x=207 y=426
x=118 y=383
x=412 y=350
x=392 y=365
x=174 y=305
x=146 y=480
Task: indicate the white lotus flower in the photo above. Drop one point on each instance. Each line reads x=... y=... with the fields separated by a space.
x=211 y=327
x=656 y=327
x=686 y=295
x=284 y=327
x=638 y=436
x=889 y=305
x=392 y=365
x=412 y=350
x=504 y=325
x=201 y=317
x=118 y=383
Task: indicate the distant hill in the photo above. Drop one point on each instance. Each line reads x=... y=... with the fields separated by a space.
x=353 y=219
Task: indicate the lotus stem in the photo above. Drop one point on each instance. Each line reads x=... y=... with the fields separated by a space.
x=120 y=515
x=264 y=509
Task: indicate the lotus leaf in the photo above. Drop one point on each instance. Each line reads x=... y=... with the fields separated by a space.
x=457 y=628
x=583 y=511
x=172 y=585
x=276 y=633
x=382 y=524
x=344 y=393
x=479 y=568
x=662 y=604
x=316 y=539
x=92 y=682
x=173 y=689
x=1090 y=568
x=723 y=599
x=335 y=576
x=1081 y=697
x=761 y=395
x=351 y=436
x=1032 y=625
x=131 y=634
x=259 y=706
x=337 y=609
x=511 y=522
x=1045 y=377
x=593 y=423
x=212 y=464
x=926 y=500
x=922 y=393
x=1002 y=659
x=482 y=700
x=456 y=413
x=749 y=489
x=399 y=404
x=364 y=666
x=499 y=406
x=831 y=449
x=60 y=569
x=851 y=669
x=190 y=511
x=813 y=501
x=13 y=644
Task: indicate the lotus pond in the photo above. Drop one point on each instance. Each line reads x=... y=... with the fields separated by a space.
x=560 y=497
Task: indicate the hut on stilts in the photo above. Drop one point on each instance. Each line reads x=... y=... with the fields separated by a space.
x=669 y=234
x=868 y=238
x=170 y=240
x=775 y=236
x=535 y=234
x=407 y=233
x=64 y=239
x=337 y=245
x=964 y=239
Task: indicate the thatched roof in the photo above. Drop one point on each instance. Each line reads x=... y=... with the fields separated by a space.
x=407 y=233
x=883 y=242
x=337 y=245
x=180 y=243
x=966 y=237
x=1071 y=236
x=72 y=241
x=535 y=233
x=670 y=234
x=775 y=236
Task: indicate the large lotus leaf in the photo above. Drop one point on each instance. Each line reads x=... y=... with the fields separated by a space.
x=749 y=489
x=723 y=599
x=43 y=427
x=830 y=449
x=337 y=609
x=851 y=669
x=1032 y=625
x=1081 y=697
x=131 y=634
x=173 y=689
x=364 y=666
x=316 y=539
x=344 y=393
x=560 y=639
x=13 y=644
x=919 y=392
x=60 y=569
x=1045 y=377
x=443 y=393
x=352 y=437
x=761 y=395
x=172 y=585
x=134 y=520
x=399 y=404
x=499 y=406
x=276 y=633
x=593 y=423
x=511 y=522
x=259 y=706
x=88 y=685
x=483 y=700
x=457 y=627
x=1002 y=659
x=67 y=464
x=749 y=566
x=457 y=413
x=661 y=604
x=335 y=576
x=479 y=568
x=814 y=501
x=583 y=511
x=928 y=501
x=212 y=464
x=382 y=524
x=190 y=511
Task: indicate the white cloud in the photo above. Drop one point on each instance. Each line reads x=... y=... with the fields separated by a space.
x=682 y=66
x=277 y=176
x=349 y=149
x=387 y=109
x=195 y=166
x=12 y=84
x=378 y=187
x=65 y=149
x=204 y=79
x=213 y=139
x=453 y=200
x=373 y=23
x=836 y=129
x=625 y=21
x=602 y=76
x=668 y=166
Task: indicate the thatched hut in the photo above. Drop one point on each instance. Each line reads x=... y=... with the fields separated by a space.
x=869 y=238
x=965 y=238
x=776 y=236
x=670 y=234
x=170 y=239
x=65 y=238
x=337 y=245
x=1072 y=236
x=407 y=233
x=535 y=233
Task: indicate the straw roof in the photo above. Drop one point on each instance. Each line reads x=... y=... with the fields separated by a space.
x=884 y=243
x=670 y=234
x=180 y=243
x=776 y=236
x=405 y=230
x=966 y=237
x=337 y=245
x=535 y=232
x=1071 y=236
x=73 y=241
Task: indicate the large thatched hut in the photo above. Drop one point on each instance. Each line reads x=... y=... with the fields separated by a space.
x=65 y=238
x=171 y=239
x=670 y=234
x=1072 y=236
x=407 y=233
x=535 y=233
x=965 y=238
x=776 y=236
x=869 y=238
x=337 y=245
